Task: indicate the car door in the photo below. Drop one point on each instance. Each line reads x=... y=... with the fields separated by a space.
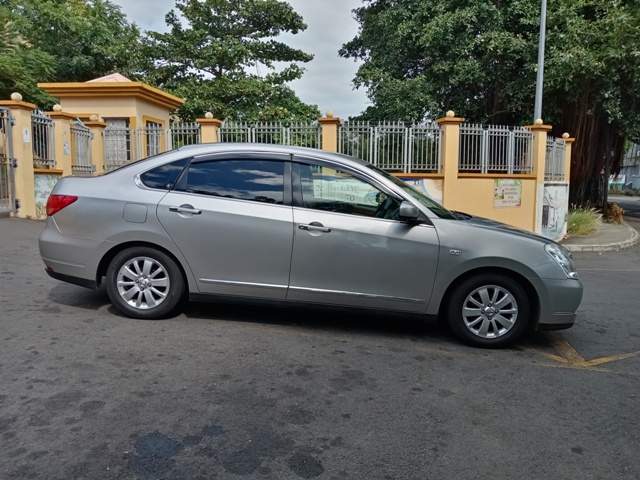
x=349 y=247
x=231 y=217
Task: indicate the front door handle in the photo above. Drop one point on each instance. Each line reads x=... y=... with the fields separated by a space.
x=185 y=209
x=314 y=227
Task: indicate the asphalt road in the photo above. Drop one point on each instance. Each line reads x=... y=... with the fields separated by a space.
x=631 y=205
x=235 y=391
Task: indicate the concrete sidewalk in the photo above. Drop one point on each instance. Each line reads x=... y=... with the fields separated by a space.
x=608 y=237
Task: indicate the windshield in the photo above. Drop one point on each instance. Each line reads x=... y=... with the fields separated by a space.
x=432 y=205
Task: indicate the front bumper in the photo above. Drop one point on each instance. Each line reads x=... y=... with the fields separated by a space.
x=559 y=304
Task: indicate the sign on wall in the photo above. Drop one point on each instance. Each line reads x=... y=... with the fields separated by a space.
x=555 y=210
x=507 y=193
x=44 y=183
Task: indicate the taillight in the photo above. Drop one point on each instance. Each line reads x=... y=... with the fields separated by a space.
x=55 y=203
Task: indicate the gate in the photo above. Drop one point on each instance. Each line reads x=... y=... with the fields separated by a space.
x=7 y=163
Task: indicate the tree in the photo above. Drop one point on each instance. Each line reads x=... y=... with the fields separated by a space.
x=20 y=64
x=216 y=52
x=478 y=57
x=67 y=40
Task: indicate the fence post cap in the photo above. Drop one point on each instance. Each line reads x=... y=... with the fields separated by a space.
x=209 y=121
x=329 y=119
x=57 y=107
x=96 y=122
x=568 y=138
x=16 y=97
x=450 y=118
x=208 y=115
x=18 y=105
x=538 y=127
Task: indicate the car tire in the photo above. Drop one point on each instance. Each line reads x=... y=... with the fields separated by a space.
x=489 y=310
x=144 y=282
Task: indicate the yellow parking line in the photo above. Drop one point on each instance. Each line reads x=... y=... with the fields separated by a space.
x=569 y=356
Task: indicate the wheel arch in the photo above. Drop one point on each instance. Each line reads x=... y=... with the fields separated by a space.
x=113 y=251
x=518 y=277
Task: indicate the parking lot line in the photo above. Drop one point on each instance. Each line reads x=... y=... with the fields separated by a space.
x=568 y=355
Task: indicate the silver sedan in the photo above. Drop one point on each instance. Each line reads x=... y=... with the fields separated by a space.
x=299 y=225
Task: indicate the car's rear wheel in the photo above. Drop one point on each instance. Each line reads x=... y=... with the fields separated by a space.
x=143 y=282
x=489 y=310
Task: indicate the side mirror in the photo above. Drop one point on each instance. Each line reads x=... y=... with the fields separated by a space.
x=408 y=212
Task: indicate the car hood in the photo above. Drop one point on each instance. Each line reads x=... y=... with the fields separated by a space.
x=494 y=225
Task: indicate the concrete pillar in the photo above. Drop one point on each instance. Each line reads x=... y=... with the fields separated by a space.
x=568 y=146
x=97 y=126
x=23 y=153
x=209 y=128
x=539 y=130
x=329 y=125
x=62 y=139
x=450 y=153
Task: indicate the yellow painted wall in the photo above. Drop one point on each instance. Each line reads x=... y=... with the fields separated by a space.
x=476 y=197
x=149 y=111
x=106 y=107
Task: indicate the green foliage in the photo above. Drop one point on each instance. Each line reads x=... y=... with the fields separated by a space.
x=216 y=51
x=20 y=63
x=583 y=221
x=66 y=40
x=478 y=57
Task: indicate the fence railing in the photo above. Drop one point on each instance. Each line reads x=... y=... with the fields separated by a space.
x=393 y=146
x=42 y=134
x=554 y=161
x=495 y=149
x=301 y=134
x=6 y=184
x=81 y=137
x=184 y=133
x=126 y=145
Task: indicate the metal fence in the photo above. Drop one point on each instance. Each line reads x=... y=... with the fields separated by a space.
x=42 y=140
x=554 y=161
x=6 y=167
x=124 y=145
x=81 y=136
x=184 y=134
x=495 y=149
x=300 y=134
x=393 y=146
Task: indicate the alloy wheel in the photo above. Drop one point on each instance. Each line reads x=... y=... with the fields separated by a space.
x=143 y=282
x=490 y=311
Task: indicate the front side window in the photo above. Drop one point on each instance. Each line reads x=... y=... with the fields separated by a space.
x=256 y=180
x=331 y=190
x=165 y=176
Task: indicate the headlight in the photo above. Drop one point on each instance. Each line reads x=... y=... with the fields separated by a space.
x=562 y=258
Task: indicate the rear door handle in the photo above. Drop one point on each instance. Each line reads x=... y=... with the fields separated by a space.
x=314 y=227
x=185 y=209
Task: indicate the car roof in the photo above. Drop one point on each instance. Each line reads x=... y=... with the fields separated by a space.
x=204 y=148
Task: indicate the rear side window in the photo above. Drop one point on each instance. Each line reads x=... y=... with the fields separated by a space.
x=165 y=176
x=256 y=180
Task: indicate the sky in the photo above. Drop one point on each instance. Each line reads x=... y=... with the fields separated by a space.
x=327 y=81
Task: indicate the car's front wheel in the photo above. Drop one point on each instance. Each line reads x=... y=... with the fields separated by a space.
x=143 y=282
x=489 y=310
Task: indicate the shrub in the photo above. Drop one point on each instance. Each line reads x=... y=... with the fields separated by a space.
x=614 y=213
x=583 y=221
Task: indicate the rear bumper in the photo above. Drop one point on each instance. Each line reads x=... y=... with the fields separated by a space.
x=67 y=256
x=83 y=282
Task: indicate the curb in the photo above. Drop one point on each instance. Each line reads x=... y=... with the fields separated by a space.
x=633 y=238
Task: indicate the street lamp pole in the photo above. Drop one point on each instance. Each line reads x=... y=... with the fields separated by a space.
x=537 y=112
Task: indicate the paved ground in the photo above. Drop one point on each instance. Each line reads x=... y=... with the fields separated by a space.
x=631 y=205
x=228 y=391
